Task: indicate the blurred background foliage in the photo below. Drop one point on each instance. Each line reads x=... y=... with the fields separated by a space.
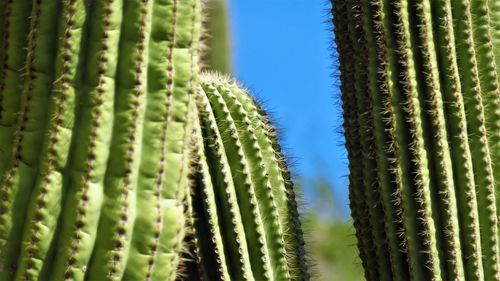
x=327 y=226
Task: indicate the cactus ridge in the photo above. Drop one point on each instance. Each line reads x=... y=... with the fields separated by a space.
x=361 y=219
x=119 y=161
x=232 y=126
x=429 y=68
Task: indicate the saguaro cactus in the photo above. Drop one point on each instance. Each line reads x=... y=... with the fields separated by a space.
x=111 y=151
x=422 y=110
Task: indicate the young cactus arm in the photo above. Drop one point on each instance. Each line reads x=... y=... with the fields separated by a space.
x=14 y=35
x=474 y=103
x=246 y=197
x=279 y=178
x=245 y=130
x=230 y=210
x=210 y=221
x=19 y=177
x=89 y=155
x=120 y=182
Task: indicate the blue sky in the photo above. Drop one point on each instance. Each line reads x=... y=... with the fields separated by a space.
x=281 y=51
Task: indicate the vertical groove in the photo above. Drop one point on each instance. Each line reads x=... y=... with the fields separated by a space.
x=357 y=202
x=411 y=157
x=435 y=137
x=29 y=129
x=245 y=187
x=478 y=142
x=43 y=210
x=489 y=76
x=382 y=121
x=282 y=187
x=228 y=210
x=158 y=119
x=260 y=175
x=16 y=25
x=458 y=140
x=218 y=261
x=120 y=181
x=89 y=155
x=368 y=162
x=185 y=56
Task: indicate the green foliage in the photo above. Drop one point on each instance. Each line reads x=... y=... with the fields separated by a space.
x=118 y=164
x=420 y=94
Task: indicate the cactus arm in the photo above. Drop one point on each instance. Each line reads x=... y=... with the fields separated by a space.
x=19 y=177
x=245 y=189
x=47 y=194
x=368 y=165
x=356 y=197
x=478 y=142
x=279 y=179
x=240 y=128
x=207 y=213
x=15 y=28
x=89 y=154
x=234 y=233
x=298 y=259
x=489 y=76
x=120 y=183
x=264 y=188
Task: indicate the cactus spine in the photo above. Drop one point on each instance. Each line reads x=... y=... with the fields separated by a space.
x=421 y=105
x=118 y=162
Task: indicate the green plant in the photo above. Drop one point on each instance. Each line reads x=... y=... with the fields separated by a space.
x=117 y=163
x=218 y=54
x=421 y=105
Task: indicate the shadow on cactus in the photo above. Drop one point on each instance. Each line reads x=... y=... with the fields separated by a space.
x=118 y=161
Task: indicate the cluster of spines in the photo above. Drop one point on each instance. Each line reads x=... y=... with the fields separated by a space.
x=430 y=113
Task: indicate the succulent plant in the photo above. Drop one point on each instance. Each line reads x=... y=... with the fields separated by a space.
x=217 y=55
x=118 y=162
x=421 y=99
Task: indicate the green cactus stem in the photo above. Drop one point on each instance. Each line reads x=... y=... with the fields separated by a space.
x=116 y=164
x=243 y=191
x=420 y=90
x=217 y=56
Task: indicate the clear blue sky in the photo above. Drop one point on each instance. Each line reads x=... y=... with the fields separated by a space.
x=282 y=51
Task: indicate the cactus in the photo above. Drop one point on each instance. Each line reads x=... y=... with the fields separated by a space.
x=217 y=56
x=119 y=163
x=420 y=93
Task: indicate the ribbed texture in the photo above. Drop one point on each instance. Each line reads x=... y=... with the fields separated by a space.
x=116 y=163
x=421 y=98
x=241 y=197
x=95 y=137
